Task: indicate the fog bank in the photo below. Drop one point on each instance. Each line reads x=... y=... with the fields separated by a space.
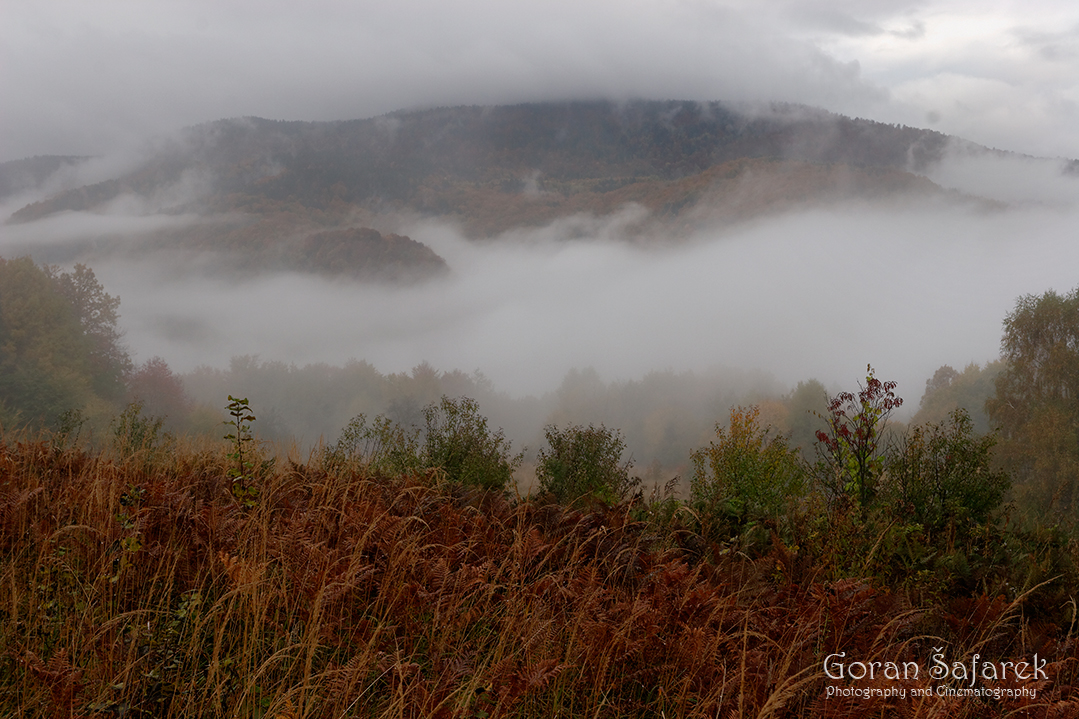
x=815 y=294
x=820 y=293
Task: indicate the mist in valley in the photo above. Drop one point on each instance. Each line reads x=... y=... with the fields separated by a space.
x=814 y=294
x=590 y=319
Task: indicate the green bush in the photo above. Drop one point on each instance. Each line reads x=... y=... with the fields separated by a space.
x=383 y=448
x=134 y=432
x=457 y=441
x=748 y=474
x=939 y=476
x=584 y=463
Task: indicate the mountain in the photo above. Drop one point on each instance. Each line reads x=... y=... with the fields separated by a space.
x=272 y=185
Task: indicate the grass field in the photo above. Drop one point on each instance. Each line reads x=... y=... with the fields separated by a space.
x=140 y=586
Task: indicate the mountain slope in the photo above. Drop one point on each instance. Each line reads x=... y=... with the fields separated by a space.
x=412 y=157
x=491 y=169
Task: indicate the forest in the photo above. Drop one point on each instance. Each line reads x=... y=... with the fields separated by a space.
x=680 y=545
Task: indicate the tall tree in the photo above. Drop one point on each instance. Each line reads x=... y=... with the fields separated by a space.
x=968 y=390
x=161 y=392
x=59 y=345
x=807 y=404
x=97 y=313
x=43 y=352
x=1037 y=400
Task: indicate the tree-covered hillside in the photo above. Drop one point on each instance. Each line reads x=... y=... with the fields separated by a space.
x=254 y=194
x=464 y=161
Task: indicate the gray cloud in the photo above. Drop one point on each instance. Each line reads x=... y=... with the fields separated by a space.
x=88 y=78
x=91 y=78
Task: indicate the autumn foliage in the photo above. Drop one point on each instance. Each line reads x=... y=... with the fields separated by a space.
x=851 y=449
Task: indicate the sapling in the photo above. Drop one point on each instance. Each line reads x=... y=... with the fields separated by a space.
x=240 y=474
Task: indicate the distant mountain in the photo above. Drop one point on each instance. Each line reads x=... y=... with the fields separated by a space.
x=491 y=169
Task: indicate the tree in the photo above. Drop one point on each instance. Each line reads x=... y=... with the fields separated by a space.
x=160 y=392
x=806 y=403
x=968 y=390
x=96 y=311
x=456 y=440
x=1037 y=399
x=59 y=346
x=941 y=379
x=44 y=356
x=850 y=454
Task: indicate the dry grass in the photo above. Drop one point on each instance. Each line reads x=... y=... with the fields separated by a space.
x=139 y=587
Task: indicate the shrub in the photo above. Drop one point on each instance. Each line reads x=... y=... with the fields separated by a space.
x=384 y=448
x=134 y=432
x=939 y=475
x=457 y=441
x=584 y=463
x=240 y=436
x=747 y=474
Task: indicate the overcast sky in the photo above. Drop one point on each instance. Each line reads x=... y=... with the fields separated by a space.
x=81 y=77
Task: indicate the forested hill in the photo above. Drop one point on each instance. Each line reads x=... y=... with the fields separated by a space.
x=497 y=167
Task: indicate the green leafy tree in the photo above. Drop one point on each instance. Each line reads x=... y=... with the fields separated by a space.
x=1036 y=405
x=59 y=346
x=97 y=313
x=806 y=404
x=748 y=473
x=851 y=455
x=44 y=355
x=948 y=390
x=582 y=463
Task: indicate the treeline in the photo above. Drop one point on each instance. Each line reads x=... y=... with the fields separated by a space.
x=662 y=415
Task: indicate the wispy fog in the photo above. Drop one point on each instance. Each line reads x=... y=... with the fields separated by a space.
x=1007 y=178
x=813 y=294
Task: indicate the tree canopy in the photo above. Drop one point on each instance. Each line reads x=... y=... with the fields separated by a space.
x=1037 y=401
x=59 y=345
